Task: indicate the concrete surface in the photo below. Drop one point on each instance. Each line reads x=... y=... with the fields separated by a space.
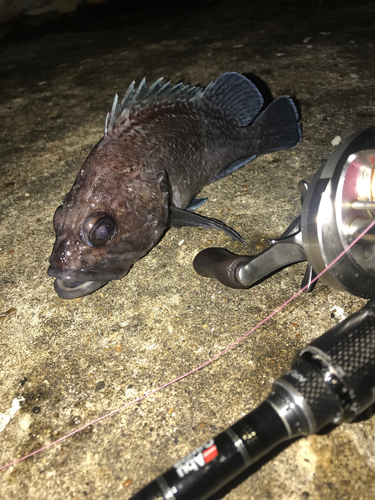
x=64 y=363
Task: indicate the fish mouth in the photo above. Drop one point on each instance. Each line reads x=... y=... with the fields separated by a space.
x=74 y=284
x=69 y=290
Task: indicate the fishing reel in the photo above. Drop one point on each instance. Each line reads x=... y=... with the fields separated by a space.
x=337 y=206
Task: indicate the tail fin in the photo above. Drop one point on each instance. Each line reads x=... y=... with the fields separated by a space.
x=277 y=128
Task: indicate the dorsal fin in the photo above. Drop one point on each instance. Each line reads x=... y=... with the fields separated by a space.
x=232 y=96
x=145 y=97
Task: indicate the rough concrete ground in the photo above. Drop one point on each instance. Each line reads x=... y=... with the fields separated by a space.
x=73 y=361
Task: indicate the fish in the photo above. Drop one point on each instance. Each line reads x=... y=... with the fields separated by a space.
x=162 y=144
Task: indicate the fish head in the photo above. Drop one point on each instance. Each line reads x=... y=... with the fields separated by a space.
x=113 y=215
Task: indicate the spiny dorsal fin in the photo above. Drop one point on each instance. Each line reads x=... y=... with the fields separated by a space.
x=145 y=97
x=232 y=96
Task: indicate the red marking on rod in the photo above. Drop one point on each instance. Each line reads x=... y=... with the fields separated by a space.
x=211 y=360
x=210 y=454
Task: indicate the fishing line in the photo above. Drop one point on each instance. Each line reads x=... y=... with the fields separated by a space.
x=203 y=365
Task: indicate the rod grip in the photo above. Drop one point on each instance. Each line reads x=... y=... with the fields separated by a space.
x=345 y=358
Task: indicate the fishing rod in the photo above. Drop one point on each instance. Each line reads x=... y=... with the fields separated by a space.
x=331 y=380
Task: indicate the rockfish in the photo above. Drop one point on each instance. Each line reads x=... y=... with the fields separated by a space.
x=161 y=146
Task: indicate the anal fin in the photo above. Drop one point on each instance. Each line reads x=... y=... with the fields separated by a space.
x=233 y=167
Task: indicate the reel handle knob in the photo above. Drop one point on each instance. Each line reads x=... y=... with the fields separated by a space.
x=222 y=265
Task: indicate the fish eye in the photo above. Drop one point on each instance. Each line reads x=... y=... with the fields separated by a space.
x=99 y=229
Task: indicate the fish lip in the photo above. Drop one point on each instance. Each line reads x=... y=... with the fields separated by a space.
x=80 y=290
x=82 y=276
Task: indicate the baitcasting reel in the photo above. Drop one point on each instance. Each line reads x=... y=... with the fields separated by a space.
x=337 y=206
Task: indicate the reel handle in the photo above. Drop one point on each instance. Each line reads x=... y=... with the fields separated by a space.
x=220 y=264
x=243 y=271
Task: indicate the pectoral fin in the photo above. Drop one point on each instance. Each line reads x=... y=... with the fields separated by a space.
x=180 y=218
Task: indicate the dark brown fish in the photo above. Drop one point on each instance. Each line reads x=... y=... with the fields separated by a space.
x=161 y=146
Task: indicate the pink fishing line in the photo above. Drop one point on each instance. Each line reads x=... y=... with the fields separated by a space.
x=214 y=358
